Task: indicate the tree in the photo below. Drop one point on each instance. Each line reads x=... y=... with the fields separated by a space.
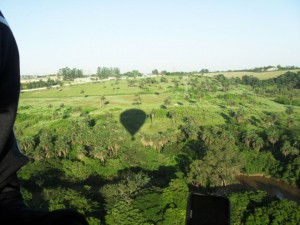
x=273 y=136
x=133 y=73
x=46 y=143
x=99 y=153
x=243 y=203
x=155 y=72
x=225 y=85
x=102 y=101
x=178 y=200
x=204 y=71
x=290 y=122
x=218 y=167
x=124 y=190
x=277 y=212
x=163 y=79
x=240 y=115
x=125 y=214
x=291 y=97
x=152 y=115
x=172 y=115
x=163 y=72
x=174 y=205
x=27 y=144
x=167 y=101
x=287 y=149
x=190 y=129
x=70 y=74
x=149 y=201
x=257 y=143
x=271 y=119
x=137 y=100
x=105 y=72
x=248 y=137
x=67 y=198
x=131 y=82
x=61 y=146
x=289 y=110
x=156 y=141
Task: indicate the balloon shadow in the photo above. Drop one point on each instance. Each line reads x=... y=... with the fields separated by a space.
x=132 y=120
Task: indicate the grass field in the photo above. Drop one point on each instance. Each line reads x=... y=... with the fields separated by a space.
x=212 y=109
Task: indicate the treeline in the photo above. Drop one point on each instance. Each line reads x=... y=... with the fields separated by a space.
x=41 y=83
x=286 y=80
x=105 y=72
x=70 y=74
x=283 y=88
x=180 y=73
x=101 y=73
x=266 y=68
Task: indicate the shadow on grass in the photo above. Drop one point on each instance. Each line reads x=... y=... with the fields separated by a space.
x=133 y=120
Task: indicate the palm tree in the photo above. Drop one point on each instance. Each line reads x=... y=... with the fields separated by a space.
x=167 y=101
x=225 y=85
x=240 y=115
x=271 y=119
x=137 y=99
x=100 y=154
x=152 y=115
x=61 y=147
x=248 y=137
x=287 y=149
x=27 y=143
x=46 y=143
x=290 y=122
x=291 y=97
x=289 y=110
x=102 y=101
x=172 y=115
x=226 y=136
x=208 y=137
x=273 y=136
x=257 y=142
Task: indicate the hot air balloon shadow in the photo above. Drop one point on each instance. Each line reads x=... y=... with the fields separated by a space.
x=132 y=120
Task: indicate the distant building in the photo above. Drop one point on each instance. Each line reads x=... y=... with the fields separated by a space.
x=26 y=81
x=82 y=79
x=55 y=77
x=271 y=68
x=30 y=79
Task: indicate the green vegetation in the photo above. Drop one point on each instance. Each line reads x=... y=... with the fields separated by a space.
x=70 y=74
x=199 y=134
x=105 y=72
x=38 y=84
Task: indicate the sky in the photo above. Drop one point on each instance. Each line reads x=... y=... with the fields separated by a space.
x=172 y=35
